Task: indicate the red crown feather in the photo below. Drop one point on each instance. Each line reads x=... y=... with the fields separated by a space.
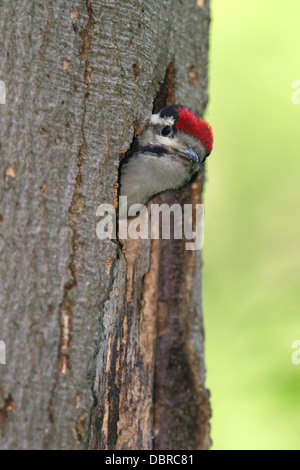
x=191 y=124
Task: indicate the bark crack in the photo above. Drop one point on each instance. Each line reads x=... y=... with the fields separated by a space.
x=65 y=314
x=76 y=209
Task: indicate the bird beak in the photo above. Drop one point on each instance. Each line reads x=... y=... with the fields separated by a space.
x=189 y=155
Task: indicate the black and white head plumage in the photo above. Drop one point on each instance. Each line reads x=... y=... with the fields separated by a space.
x=165 y=155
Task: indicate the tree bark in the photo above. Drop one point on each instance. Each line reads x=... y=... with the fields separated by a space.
x=104 y=339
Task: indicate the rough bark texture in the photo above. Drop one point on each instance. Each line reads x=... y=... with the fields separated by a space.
x=104 y=340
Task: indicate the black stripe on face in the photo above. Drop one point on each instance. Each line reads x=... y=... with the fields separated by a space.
x=156 y=150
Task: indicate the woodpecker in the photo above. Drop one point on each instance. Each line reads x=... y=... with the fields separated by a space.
x=169 y=151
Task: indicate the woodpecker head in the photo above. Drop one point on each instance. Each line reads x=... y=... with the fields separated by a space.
x=166 y=155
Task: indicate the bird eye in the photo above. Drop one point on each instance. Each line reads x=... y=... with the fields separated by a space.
x=167 y=130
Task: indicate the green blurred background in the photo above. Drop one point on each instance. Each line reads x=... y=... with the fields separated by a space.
x=252 y=225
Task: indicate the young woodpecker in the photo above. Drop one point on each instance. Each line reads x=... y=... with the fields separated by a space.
x=165 y=156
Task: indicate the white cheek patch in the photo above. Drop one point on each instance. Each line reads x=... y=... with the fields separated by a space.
x=150 y=137
x=168 y=142
x=156 y=119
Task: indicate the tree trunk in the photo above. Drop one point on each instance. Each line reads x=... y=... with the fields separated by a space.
x=104 y=339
